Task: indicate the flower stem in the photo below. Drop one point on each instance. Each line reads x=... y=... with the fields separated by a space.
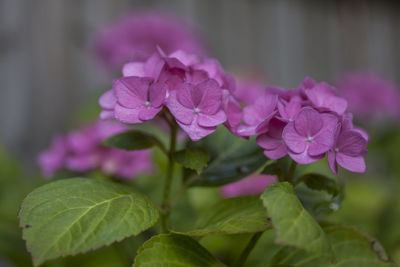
x=246 y=252
x=168 y=181
x=291 y=172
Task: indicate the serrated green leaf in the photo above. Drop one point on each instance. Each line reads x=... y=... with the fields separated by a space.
x=133 y=140
x=70 y=216
x=174 y=250
x=231 y=158
x=194 y=158
x=233 y=216
x=293 y=225
x=351 y=247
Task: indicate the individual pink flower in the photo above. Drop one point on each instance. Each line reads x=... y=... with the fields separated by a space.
x=136 y=37
x=310 y=135
x=197 y=108
x=138 y=99
x=348 y=151
x=371 y=98
x=52 y=160
x=251 y=185
x=272 y=141
x=256 y=117
x=288 y=110
x=325 y=98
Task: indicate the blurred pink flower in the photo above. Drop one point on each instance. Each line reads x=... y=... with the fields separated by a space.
x=250 y=185
x=82 y=151
x=370 y=96
x=135 y=37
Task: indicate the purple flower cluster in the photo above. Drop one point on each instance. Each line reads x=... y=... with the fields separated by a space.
x=136 y=37
x=82 y=151
x=306 y=123
x=196 y=91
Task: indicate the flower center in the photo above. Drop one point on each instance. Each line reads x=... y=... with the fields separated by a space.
x=309 y=139
x=196 y=111
x=147 y=104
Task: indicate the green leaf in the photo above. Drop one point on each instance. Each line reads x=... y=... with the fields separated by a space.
x=174 y=250
x=133 y=140
x=76 y=215
x=233 y=216
x=351 y=247
x=231 y=158
x=319 y=194
x=293 y=225
x=194 y=158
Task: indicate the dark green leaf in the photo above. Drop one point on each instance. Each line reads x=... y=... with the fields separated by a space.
x=351 y=247
x=231 y=158
x=76 y=215
x=194 y=158
x=174 y=250
x=133 y=140
x=233 y=216
x=293 y=225
x=317 y=181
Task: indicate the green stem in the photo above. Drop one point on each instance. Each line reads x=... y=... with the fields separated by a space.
x=291 y=172
x=246 y=252
x=168 y=181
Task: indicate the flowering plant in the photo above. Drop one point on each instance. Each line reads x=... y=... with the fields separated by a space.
x=245 y=140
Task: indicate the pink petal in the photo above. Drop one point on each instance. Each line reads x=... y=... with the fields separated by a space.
x=185 y=58
x=323 y=95
x=234 y=113
x=196 y=132
x=332 y=161
x=211 y=97
x=133 y=69
x=267 y=142
x=351 y=143
x=153 y=66
x=251 y=185
x=325 y=139
x=261 y=109
x=354 y=164
x=304 y=158
x=308 y=122
x=276 y=153
x=157 y=94
x=186 y=95
x=181 y=113
x=146 y=114
x=108 y=100
x=107 y=114
x=127 y=115
x=293 y=140
x=206 y=120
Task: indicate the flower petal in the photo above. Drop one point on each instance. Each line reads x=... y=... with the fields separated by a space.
x=267 y=142
x=304 y=158
x=196 y=132
x=133 y=69
x=277 y=153
x=180 y=112
x=354 y=164
x=127 y=115
x=211 y=97
x=157 y=94
x=308 y=122
x=293 y=140
x=332 y=161
x=146 y=114
x=108 y=99
x=325 y=139
x=351 y=143
x=206 y=120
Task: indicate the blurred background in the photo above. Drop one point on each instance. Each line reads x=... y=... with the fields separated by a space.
x=47 y=68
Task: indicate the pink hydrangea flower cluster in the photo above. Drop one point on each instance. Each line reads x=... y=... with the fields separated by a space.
x=196 y=91
x=82 y=151
x=306 y=123
x=370 y=97
x=136 y=37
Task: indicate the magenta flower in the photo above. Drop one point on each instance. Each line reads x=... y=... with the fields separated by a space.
x=251 y=185
x=82 y=151
x=348 y=151
x=310 y=135
x=370 y=97
x=256 y=117
x=197 y=108
x=288 y=110
x=272 y=141
x=52 y=160
x=248 y=91
x=137 y=36
x=325 y=98
x=138 y=99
